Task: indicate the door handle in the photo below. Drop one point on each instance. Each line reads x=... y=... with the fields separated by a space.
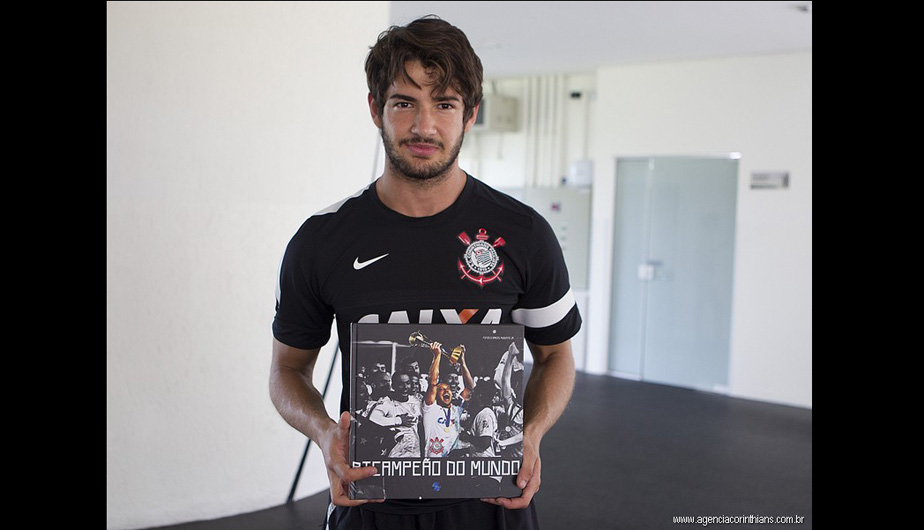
x=648 y=271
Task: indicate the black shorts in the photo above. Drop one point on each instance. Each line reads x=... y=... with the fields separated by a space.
x=467 y=515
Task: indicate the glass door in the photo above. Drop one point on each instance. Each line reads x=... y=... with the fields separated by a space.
x=673 y=267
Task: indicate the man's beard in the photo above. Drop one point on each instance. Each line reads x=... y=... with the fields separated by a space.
x=404 y=167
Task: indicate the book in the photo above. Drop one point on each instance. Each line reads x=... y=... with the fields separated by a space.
x=460 y=438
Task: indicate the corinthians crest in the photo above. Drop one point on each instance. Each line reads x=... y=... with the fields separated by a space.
x=481 y=262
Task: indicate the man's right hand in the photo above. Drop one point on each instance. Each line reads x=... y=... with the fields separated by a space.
x=407 y=420
x=336 y=447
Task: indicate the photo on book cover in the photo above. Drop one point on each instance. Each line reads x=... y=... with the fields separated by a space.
x=461 y=437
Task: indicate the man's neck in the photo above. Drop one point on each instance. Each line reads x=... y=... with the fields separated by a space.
x=420 y=198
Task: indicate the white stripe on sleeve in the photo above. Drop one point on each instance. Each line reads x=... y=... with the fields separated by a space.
x=544 y=316
x=279 y=277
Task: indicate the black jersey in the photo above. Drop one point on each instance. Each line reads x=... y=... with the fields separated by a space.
x=487 y=259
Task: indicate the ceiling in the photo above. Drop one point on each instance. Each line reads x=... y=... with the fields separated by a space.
x=532 y=38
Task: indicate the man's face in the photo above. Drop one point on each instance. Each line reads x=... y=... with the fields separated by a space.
x=402 y=386
x=443 y=395
x=422 y=131
x=381 y=383
x=455 y=381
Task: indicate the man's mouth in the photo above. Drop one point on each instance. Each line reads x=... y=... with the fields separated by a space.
x=419 y=148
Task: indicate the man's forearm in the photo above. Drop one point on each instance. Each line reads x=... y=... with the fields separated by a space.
x=505 y=388
x=548 y=390
x=295 y=397
x=467 y=376
x=382 y=420
x=299 y=403
x=434 y=374
x=435 y=364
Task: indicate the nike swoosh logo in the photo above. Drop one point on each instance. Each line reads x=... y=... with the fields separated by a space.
x=360 y=264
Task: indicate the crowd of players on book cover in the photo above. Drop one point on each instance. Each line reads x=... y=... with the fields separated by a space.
x=382 y=395
x=475 y=410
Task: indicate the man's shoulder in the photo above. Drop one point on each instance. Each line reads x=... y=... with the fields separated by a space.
x=377 y=402
x=343 y=204
x=501 y=199
x=505 y=209
x=323 y=224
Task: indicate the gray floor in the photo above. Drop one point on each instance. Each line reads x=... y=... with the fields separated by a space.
x=634 y=455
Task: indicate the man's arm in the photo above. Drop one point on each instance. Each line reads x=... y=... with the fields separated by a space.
x=294 y=395
x=430 y=398
x=548 y=391
x=502 y=375
x=380 y=418
x=469 y=383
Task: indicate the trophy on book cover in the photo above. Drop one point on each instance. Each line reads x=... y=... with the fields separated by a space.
x=419 y=339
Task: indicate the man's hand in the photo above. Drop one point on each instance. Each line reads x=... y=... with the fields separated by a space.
x=407 y=420
x=336 y=448
x=528 y=479
x=547 y=394
x=302 y=406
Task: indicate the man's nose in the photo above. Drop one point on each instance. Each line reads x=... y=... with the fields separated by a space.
x=425 y=123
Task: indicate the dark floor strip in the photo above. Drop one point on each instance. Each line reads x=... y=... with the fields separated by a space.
x=635 y=455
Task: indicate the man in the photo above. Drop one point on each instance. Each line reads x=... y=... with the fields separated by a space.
x=442 y=417
x=483 y=427
x=381 y=384
x=485 y=259
x=418 y=383
x=508 y=375
x=456 y=384
x=399 y=412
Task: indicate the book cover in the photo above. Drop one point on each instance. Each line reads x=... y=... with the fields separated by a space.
x=458 y=438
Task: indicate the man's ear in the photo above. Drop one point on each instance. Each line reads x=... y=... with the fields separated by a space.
x=471 y=120
x=374 y=111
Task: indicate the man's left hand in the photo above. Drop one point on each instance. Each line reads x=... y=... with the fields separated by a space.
x=528 y=479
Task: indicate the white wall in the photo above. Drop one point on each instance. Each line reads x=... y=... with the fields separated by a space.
x=761 y=107
x=228 y=123
x=502 y=159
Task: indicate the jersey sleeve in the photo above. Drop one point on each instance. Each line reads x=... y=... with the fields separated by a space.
x=303 y=319
x=547 y=309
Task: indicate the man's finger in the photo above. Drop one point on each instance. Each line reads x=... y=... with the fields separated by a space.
x=341 y=474
x=514 y=504
x=340 y=486
x=344 y=422
x=342 y=499
x=530 y=488
x=528 y=480
x=528 y=470
x=349 y=474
